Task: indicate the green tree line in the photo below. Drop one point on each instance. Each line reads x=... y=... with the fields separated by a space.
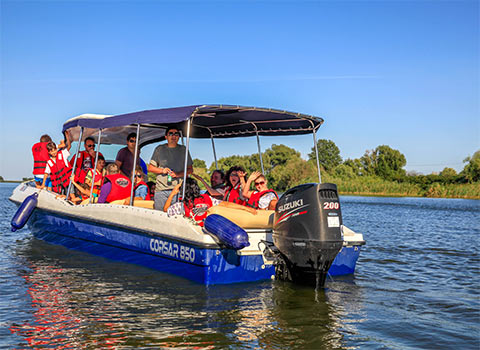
x=378 y=172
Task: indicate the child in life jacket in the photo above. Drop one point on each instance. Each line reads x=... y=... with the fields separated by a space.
x=262 y=197
x=40 y=158
x=141 y=190
x=194 y=205
x=99 y=176
x=57 y=166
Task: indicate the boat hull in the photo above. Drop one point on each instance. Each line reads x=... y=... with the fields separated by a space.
x=202 y=265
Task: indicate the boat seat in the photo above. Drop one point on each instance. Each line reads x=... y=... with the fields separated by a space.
x=136 y=203
x=262 y=220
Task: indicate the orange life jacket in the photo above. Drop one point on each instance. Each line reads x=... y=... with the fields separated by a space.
x=254 y=199
x=121 y=187
x=40 y=157
x=198 y=210
x=60 y=173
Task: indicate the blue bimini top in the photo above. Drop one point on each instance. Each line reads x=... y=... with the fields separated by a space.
x=207 y=121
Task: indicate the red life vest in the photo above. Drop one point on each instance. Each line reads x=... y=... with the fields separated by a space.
x=148 y=197
x=255 y=198
x=121 y=187
x=198 y=210
x=40 y=157
x=81 y=171
x=60 y=173
x=233 y=195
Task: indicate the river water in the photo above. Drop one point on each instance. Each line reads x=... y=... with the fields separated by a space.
x=417 y=286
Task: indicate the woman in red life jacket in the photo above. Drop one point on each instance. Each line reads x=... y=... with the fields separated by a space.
x=140 y=188
x=57 y=166
x=99 y=176
x=115 y=186
x=40 y=159
x=85 y=160
x=262 y=197
x=195 y=205
x=233 y=191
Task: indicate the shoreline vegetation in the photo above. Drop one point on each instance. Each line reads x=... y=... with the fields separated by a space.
x=379 y=172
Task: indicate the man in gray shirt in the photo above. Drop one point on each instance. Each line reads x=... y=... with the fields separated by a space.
x=168 y=162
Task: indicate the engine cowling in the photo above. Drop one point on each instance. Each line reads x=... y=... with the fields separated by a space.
x=307 y=232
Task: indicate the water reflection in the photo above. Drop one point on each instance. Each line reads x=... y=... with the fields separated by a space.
x=82 y=301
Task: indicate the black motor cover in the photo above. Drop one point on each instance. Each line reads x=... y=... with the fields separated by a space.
x=307 y=231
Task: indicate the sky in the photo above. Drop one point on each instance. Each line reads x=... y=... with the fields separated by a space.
x=398 y=73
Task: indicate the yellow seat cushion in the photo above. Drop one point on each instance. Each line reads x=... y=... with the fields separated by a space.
x=263 y=219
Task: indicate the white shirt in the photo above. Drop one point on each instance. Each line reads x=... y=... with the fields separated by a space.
x=61 y=156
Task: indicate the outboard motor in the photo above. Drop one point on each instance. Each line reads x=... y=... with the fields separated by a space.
x=307 y=233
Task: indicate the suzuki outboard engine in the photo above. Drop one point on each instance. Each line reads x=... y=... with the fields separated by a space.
x=307 y=233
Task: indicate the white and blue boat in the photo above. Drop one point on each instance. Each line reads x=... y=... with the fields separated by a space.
x=303 y=240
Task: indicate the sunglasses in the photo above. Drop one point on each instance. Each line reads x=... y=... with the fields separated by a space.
x=132 y=140
x=138 y=175
x=90 y=146
x=260 y=183
x=173 y=134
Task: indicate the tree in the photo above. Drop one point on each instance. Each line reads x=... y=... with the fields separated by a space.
x=328 y=154
x=384 y=162
x=390 y=163
x=279 y=155
x=198 y=163
x=1 y=179
x=471 y=171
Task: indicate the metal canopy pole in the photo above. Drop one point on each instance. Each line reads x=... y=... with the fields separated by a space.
x=316 y=153
x=75 y=162
x=259 y=150
x=186 y=160
x=214 y=152
x=94 y=170
x=134 y=163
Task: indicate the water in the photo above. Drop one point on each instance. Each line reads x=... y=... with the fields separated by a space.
x=416 y=287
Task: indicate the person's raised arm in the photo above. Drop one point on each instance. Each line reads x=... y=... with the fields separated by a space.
x=210 y=190
x=174 y=192
x=246 y=192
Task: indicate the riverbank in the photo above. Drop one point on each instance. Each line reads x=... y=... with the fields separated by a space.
x=369 y=186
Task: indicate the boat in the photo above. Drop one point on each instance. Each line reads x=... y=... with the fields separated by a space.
x=303 y=240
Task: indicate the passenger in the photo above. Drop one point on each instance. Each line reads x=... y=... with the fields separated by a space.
x=233 y=191
x=151 y=188
x=85 y=160
x=115 y=186
x=217 y=180
x=99 y=176
x=262 y=197
x=195 y=205
x=168 y=163
x=83 y=191
x=124 y=158
x=141 y=188
x=58 y=167
x=40 y=158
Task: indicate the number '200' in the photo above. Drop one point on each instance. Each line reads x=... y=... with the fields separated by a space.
x=331 y=205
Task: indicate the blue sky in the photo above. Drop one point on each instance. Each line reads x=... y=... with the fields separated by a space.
x=400 y=73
